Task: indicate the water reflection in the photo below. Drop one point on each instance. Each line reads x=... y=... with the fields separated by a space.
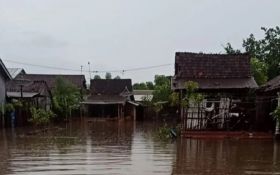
x=227 y=157
x=130 y=148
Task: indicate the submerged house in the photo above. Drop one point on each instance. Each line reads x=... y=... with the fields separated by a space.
x=224 y=80
x=4 y=77
x=30 y=94
x=111 y=98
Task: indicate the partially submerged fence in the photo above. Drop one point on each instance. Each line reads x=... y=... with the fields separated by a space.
x=214 y=115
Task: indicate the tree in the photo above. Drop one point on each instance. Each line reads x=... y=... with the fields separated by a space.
x=150 y=85
x=230 y=50
x=108 y=76
x=259 y=70
x=117 y=77
x=266 y=50
x=265 y=54
x=97 y=77
x=140 y=86
x=162 y=89
x=66 y=97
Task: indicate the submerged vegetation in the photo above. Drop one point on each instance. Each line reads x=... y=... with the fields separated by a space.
x=40 y=117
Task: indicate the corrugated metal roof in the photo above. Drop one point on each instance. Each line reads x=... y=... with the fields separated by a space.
x=24 y=94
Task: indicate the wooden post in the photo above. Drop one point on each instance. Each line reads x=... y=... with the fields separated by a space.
x=277 y=127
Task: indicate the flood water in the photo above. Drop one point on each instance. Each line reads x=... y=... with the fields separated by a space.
x=130 y=148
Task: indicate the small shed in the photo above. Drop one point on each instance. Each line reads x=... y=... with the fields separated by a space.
x=222 y=78
x=111 y=98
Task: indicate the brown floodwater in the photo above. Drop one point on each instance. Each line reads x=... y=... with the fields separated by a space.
x=130 y=148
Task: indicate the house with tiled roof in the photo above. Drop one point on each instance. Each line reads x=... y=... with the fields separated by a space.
x=222 y=79
x=222 y=72
x=111 y=98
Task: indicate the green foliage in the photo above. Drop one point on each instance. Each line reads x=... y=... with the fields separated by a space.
x=191 y=96
x=266 y=50
x=230 y=50
x=66 y=97
x=158 y=107
x=143 y=86
x=259 y=70
x=140 y=86
x=40 y=116
x=265 y=53
x=174 y=99
x=8 y=107
x=162 y=89
x=97 y=77
x=164 y=132
x=108 y=75
x=150 y=85
x=276 y=114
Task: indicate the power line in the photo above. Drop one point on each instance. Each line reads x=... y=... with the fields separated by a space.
x=89 y=71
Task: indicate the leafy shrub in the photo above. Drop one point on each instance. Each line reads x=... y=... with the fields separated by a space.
x=40 y=116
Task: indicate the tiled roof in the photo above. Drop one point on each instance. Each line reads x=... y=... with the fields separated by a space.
x=29 y=88
x=199 y=65
x=78 y=80
x=213 y=71
x=271 y=85
x=110 y=87
x=110 y=91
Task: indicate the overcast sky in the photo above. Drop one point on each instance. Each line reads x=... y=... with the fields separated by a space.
x=124 y=34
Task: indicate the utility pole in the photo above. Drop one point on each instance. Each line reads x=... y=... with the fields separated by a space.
x=89 y=70
x=81 y=70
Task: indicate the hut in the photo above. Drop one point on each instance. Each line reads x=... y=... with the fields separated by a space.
x=225 y=80
x=111 y=98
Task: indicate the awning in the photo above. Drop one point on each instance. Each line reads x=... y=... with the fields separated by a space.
x=24 y=94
